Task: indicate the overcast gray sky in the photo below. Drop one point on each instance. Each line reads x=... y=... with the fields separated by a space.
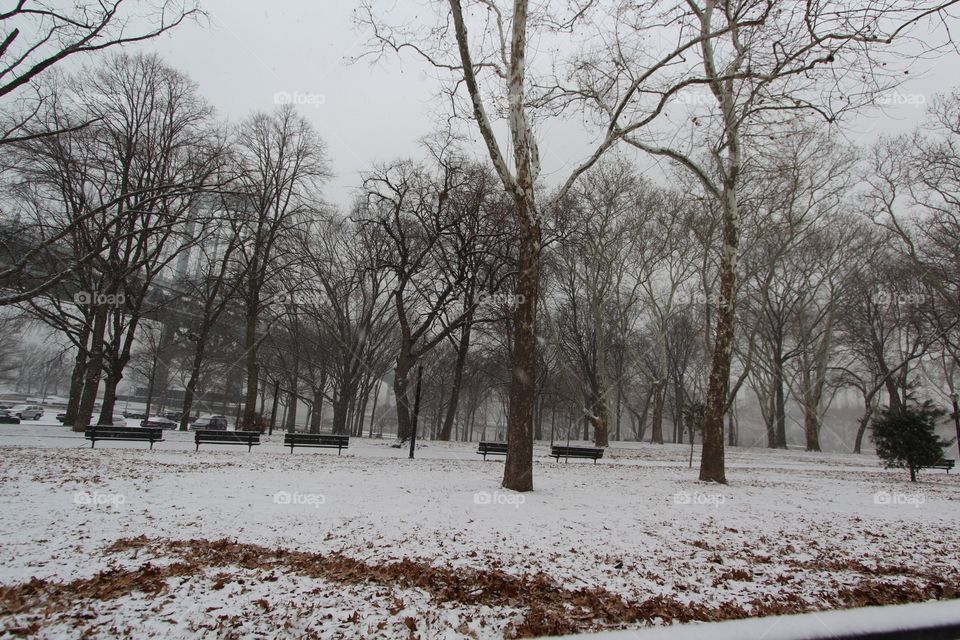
x=251 y=51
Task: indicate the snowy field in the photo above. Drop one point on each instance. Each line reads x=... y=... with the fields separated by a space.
x=123 y=541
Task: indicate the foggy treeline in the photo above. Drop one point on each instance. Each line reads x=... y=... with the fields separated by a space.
x=160 y=246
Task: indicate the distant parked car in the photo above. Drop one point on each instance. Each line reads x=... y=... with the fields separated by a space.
x=8 y=418
x=213 y=423
x=47 y=400
x=117 y=421
x=159 y=422
x=28 y=411
x=172 y=415
x=135 y=415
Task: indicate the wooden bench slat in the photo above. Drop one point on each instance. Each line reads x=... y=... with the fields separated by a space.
x=212 y=436
x=491 y=449
x=131 y=434
x=560 y=451
x=317 y=441
x=316 y=437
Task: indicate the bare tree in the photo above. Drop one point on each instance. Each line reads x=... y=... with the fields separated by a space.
x=35 y=37
x=883 y=329
x=824 y=262
x=139 y=168
x=280 y=165
x=803 y=181
x=763 y=64
x=38 y=36
x=350 y=333
x=432 y=249
x=491 y=64
x=213 y=288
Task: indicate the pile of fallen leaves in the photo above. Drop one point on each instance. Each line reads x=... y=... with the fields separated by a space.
x=547 y=608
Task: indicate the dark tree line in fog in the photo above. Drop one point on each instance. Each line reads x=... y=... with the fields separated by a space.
x=777 y=263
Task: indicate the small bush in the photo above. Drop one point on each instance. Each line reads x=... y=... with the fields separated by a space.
x=906 y=437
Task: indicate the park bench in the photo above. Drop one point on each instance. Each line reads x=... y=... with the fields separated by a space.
x=317 y=440
x=492 y=449
x=133 y=434
x=210 y=436
x=943 y=463
x=593 y=453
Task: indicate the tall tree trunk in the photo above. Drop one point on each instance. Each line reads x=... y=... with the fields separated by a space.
x=601 y=427
x=712 y=466
x=252 y=366
x=601 y=424
x=864 y=421
x=619 y=408
x=455 y=386
x=188 y=393
x=78 y=375
x=656 y=431
x=538 y=427
x=518 y=468
x=91 y=383
x=473 y=422
x=811 y=413
x=769 y=418
x=161 y=372
x=811 y=427
x=678 y=405
x=401 y=392
x=116 y=364
x=893 y=391
x=112 y=379
x=366 y=387
x=317 y=415
x=780 y=405
x=373 y=411
x=316 y=419
x=955 y=403
x=341 y=406
x=292 y=407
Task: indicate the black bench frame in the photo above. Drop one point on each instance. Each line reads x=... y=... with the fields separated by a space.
x=128 y=434
x=943 y=463
x=219 y=436
x=561 y=451
x=317 y=441
x=491 y=449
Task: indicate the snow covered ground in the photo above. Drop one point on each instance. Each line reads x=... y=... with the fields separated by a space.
x=121 y=540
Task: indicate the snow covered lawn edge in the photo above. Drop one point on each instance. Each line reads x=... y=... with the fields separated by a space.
x=907 y=619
